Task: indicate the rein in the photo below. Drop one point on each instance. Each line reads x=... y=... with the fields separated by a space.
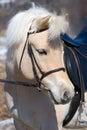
x=27 y=84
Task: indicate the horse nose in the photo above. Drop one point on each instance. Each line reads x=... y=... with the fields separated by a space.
x=66 y=97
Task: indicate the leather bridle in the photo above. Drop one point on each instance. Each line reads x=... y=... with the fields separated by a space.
x=35 y=66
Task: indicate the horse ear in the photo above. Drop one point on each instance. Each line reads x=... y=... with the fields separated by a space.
x=43 y=23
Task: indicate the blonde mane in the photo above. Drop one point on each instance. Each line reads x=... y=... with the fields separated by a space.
x=19 y=25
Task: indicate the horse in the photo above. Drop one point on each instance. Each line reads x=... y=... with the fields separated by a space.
x=37 y=80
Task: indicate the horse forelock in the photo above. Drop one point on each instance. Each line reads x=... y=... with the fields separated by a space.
x=19 y=25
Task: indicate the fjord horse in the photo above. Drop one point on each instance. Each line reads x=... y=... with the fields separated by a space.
x=36 y=69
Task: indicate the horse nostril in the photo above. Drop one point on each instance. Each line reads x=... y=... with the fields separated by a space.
x=66 y=97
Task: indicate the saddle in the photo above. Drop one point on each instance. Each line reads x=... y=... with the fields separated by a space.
x=75 y=57
x=78 y=46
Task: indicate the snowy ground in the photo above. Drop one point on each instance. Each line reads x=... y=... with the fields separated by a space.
x=7 y=125
x=3 y=48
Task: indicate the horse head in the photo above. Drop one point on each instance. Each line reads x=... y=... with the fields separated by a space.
x=43 y=52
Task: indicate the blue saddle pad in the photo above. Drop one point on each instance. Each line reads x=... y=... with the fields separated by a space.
x=80 y=39
x=80 y=43
x=83 y=63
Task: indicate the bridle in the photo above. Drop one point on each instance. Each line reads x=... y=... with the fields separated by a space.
x=35 y=65
x=38 y=80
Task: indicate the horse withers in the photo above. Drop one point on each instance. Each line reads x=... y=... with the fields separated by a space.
x=35 y=65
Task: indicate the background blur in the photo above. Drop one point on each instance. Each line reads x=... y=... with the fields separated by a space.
x=77 y=10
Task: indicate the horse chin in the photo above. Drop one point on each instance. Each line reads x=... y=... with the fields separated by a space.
x=49 y=93
x=65 y=102
x=57 y=102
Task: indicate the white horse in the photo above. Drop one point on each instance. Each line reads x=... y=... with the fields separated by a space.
x=35 y=55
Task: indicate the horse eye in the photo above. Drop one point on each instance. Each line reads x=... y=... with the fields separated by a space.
x=42 y=51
